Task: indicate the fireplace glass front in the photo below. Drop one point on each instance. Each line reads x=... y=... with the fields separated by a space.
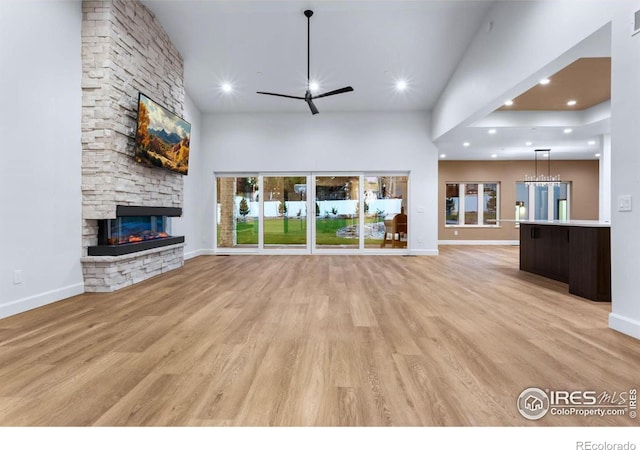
x=132 y=229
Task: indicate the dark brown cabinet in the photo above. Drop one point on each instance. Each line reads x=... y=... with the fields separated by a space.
x=577 y=255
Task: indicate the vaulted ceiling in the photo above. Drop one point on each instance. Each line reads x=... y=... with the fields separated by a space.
x=260 y=45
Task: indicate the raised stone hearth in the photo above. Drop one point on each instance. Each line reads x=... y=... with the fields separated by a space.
x=110 y=273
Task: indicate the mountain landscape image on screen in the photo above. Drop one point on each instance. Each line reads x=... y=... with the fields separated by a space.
x=162 y=138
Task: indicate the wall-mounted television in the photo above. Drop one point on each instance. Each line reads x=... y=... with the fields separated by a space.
x=162 y=137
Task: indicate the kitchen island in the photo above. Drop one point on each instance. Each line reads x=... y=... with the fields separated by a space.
x=577 y=252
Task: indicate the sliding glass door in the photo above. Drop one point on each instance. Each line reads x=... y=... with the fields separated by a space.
x=385 y=197
x=337 y=212
x=321 y=213
x=237 y=212
x=285 y=212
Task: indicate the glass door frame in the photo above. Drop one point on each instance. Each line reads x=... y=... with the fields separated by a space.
x=338 y=250
x=362 y=249
x=310 y=247
x=298 y=250
x=389 y=251
x=228 y=250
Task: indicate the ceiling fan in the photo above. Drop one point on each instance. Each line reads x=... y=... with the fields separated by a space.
x=308 y=97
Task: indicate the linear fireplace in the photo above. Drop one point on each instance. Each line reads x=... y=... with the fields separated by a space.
x=135 y=228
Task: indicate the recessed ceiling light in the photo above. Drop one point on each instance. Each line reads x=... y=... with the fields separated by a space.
x=313 y=86
x=442 y=155
x=466 y=144
x=226 y=87
x=567 y=130
x=545 y=81
x=571 y=103
x=494 y=155
x=591 y=142
x=597 y=155
x=508 y=103
x=492 y=131
x=401 y=85
x=528 y=143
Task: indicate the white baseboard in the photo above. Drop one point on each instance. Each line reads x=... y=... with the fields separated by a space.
x=254 y=251
x=424 y=252
x=479 y=242
x=624 y=325
x=35 y=301
x=196 y=253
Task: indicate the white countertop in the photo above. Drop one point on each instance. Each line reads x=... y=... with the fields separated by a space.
x=567 y=223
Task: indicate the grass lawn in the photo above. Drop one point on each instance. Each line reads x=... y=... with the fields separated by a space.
x=294 y=232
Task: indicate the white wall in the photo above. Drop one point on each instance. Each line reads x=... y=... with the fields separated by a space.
x=604 y=181
x=519 y=43
x=40 y=120
x=339 y=142
x=190 y=225
x=625 y=171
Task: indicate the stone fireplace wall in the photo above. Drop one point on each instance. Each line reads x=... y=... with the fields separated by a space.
x=124 y=51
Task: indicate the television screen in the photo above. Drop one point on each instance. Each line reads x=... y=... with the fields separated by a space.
x=162 y=138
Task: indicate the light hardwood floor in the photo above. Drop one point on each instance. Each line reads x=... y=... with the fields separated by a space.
x=314 y=340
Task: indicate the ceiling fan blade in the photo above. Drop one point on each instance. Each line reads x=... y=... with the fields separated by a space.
x=281 y=95
x=312 y=107
x=337 y=91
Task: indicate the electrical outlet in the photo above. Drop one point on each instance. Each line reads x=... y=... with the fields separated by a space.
x=455 y=232
x=17 y=277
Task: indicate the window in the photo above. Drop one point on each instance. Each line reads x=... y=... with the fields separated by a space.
x=472 y=204
x=452 y=212
x=490 y=203
x=338 y=212
x=284 y=211
x=237 y=208
x=542 y=202
x=384 y=198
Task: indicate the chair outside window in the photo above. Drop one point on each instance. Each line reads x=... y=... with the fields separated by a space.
x=396 y=231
